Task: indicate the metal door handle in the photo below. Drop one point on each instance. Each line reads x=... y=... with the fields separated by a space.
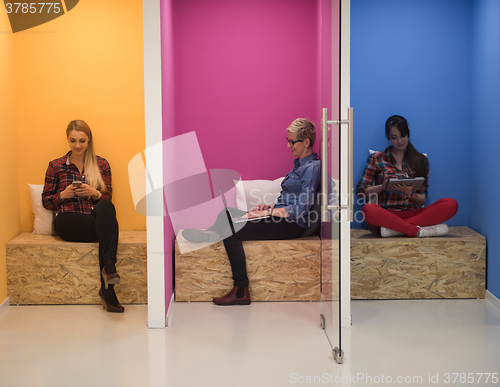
x=324 y=150
x=324 y=166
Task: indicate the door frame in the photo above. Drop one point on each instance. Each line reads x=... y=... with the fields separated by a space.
x=345 y=104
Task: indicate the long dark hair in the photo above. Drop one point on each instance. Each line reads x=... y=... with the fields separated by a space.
x=418 y=163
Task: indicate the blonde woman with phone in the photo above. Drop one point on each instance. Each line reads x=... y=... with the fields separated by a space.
x=78 y=189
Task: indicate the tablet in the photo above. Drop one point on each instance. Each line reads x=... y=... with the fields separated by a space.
x=419 y=181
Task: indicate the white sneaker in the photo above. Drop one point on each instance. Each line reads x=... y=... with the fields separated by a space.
x=387 y=232
x=432 y=231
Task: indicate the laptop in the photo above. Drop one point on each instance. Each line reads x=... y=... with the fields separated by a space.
x=239 y=219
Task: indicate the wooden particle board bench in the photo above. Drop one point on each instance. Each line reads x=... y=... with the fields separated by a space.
x=42 y=269
x=452 y=266
x=279 y=270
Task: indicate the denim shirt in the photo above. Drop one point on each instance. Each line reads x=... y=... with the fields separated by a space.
x=298 y=189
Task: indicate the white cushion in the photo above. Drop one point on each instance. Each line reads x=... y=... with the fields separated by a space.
x=250 y=193
x=43 y=217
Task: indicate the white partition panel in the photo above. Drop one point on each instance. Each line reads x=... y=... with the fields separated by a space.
x=154 y=162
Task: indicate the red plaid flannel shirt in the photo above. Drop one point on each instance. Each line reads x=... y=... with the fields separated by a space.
x=381 y=163
x=62 y=173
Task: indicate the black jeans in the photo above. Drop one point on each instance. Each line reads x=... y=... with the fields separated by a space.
x=101 y=225
x=271 y=228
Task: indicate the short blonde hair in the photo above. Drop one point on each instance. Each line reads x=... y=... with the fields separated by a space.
x=303 y=128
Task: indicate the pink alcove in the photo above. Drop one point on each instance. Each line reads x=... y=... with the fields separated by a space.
x=235 y=74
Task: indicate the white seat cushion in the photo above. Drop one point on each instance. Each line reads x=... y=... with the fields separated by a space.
x=43 y=218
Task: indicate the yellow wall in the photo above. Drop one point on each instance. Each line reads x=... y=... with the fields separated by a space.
x=87 y=64
x=10 y=224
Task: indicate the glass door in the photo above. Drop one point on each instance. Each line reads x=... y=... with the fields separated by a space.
x=336 y=179
x=330 y=239
x=336 y=218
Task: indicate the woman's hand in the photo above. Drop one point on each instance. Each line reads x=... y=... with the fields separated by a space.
x=385 y=182
x=406 y=189
x=261 y=207
x=418 y=199
x=255 y=214
x=378 y=189
x=86 y=190
x=69 y=192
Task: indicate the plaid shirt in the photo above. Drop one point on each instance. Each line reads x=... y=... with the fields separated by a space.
x=62 y=173
x=381 y=163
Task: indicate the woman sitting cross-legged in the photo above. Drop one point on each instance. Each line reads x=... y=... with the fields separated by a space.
x=289 y=217
x=401 y=211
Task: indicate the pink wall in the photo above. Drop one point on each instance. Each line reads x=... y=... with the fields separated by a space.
x=329 y=15
x=329 y=67
x=168 y=117
x=237 y=73
x=244 y=70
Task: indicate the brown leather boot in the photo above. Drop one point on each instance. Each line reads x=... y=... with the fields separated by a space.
x=110 y=307
x=231 y=299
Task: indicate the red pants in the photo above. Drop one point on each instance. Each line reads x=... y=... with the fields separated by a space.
x=407 y=221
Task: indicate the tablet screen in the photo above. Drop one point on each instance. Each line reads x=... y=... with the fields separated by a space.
x=419 y=181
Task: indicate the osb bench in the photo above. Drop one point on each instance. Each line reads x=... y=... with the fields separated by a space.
x=452 y=266
x=280 y=270
x=42 y=269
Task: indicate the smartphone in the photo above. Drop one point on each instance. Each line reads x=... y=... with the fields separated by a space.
x=76 y=184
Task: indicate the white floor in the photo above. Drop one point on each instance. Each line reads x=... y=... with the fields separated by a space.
x=264 y=344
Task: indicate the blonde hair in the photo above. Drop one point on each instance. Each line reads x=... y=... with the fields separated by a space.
x=304 y=129
x=92 y=173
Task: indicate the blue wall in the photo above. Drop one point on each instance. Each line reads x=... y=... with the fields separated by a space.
x=413 y=58
x=436 y=62
x=485 y=134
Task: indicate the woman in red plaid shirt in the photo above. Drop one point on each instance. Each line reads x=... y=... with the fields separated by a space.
x=401 y=211
x=78 y=189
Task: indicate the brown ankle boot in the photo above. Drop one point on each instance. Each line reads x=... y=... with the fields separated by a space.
x=231 y=299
